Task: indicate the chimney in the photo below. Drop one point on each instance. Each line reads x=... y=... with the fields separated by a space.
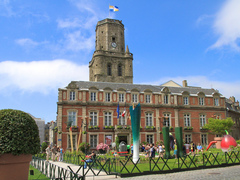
x=184 y=83
x=232 y=98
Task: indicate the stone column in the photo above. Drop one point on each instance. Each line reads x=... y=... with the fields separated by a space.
x=157 y=124
x=176 y=118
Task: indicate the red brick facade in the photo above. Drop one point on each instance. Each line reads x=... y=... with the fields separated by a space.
x=156 y=107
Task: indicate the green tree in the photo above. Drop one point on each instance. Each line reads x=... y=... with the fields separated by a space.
x=44 y=146
x=218 y=126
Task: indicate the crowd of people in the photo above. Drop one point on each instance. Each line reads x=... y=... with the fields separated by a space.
x=150 y=150
x=55 y=152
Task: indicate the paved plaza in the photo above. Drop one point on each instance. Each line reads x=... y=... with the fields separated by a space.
x=228 y=173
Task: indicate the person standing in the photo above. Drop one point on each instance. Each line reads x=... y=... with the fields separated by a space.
x=175 y=148
x=61 y=154
x=54 y=151
x=161 y=150
x=153 y=150
x=48 y=151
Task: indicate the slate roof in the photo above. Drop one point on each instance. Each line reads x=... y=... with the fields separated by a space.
x=142 y=87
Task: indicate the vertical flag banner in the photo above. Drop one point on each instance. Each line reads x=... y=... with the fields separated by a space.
x=118 y=111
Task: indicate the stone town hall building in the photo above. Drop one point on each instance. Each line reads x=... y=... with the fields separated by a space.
x=91 y=105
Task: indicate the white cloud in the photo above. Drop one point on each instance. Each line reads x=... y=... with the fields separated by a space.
x=26 y=42
x=227 y=89
x=5 y=8
x=77 y=41
x=227 y=26
x=40 y=76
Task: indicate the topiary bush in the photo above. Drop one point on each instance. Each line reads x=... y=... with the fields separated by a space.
x=44 y=146
x=18 y=133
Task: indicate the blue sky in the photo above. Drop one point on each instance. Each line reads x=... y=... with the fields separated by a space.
x=46 y=44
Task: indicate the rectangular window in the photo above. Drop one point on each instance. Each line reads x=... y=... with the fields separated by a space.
x=204 y=139
x=202 y=120
x=149 y=119
x=185 y=100
x=93 y=141
x=187 y=121
x=108 y=139
x=121 y=97
x=150 y=139
x=93 y=96
x=74 y=141
x=148 y=98
x=108 y=119
x=188 y=138
x=165 y=99
x=134 y=98
x=216 y=102
x=72 y=118
x=121 y=119
x=201 y=101
x=166 y=120
x=107 y=97
x=93 y=116
x=72 y=96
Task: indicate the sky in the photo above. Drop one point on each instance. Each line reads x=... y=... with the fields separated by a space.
x=46 y=44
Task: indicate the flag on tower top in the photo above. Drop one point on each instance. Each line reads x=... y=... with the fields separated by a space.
x=113 y=8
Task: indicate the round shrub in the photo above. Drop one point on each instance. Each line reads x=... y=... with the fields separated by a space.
x=18 y=133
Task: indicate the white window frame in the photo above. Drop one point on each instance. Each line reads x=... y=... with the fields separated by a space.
x=187 y=120
x=188 y=138
x=149 y=138
x=94 y=117
x=148 y=98
x=72 y=96
x=165 y=99
x=216 y=101
x=202 y=120
x=167 y=120
x=107 y=96
x=121 y=97
x=93 y=96
x=201 y=101
x=134 y=98
x=204 y=139
x=149 y=119
x=93 y=140
x=72 y=116
x=185 y=100
x=107 y=118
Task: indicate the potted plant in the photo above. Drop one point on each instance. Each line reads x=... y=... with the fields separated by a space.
x=84 y=147
x=19 y=140
x=102 y=148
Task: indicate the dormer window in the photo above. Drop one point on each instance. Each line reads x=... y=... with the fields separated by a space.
x=72 y=96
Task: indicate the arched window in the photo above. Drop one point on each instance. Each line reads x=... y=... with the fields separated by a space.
x=109 y=69
x=119 y=70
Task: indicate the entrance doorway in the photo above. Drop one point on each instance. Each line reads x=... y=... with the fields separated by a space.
x=122 y=138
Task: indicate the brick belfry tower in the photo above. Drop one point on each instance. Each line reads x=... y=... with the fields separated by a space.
x=110 y=61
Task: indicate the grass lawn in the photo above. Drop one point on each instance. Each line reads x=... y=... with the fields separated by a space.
x=37 y=174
